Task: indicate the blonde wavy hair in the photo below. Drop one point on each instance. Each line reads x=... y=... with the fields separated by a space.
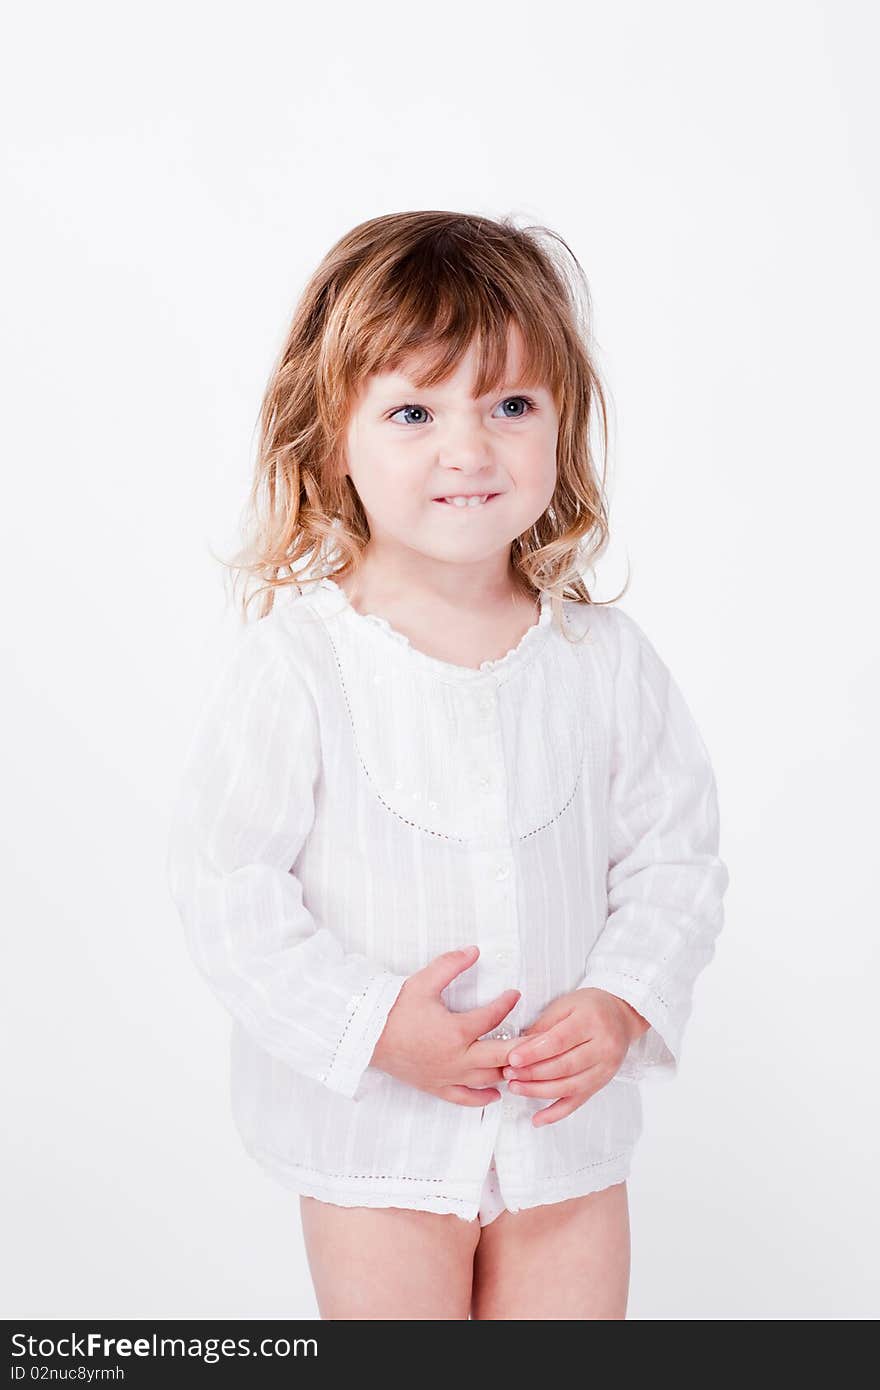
x=425 y=283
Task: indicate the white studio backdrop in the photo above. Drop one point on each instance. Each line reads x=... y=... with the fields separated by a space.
x=172 y=175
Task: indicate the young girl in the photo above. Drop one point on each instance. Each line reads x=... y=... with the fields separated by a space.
x=446 y=845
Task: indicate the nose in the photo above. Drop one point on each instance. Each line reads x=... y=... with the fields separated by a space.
x=465 y=447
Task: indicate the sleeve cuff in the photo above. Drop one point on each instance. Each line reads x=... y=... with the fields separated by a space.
x=350 y=1073
x=656 y=1051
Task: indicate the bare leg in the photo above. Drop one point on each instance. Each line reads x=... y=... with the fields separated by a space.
x=565 y=1261
x=388 y=1263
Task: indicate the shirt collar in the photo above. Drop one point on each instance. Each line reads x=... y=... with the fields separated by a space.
x=331 y=601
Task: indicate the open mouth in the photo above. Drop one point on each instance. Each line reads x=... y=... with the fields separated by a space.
x=467 y=505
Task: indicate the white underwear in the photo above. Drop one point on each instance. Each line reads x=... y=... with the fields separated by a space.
x=491 y=1203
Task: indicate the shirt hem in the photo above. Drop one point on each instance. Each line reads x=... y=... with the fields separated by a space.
x=579 y=1183
x=368 y=1191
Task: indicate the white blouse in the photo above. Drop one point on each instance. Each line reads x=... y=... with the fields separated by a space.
x=352 y=807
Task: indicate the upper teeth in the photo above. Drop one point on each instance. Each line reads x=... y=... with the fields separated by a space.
x=466 y=501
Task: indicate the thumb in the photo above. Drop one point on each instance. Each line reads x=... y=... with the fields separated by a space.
x=442 y=970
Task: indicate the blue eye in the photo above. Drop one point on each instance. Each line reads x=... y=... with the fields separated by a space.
x=527 y=400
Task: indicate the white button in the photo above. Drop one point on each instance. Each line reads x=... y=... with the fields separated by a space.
x=433 y=805
x=397 y=786
x=416 y=796
x=485 y=783
x=508 y=1108
x=502 y=957
x=487 y=704
x=502 y=871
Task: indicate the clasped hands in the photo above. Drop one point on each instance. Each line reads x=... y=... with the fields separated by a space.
x=570 y=1052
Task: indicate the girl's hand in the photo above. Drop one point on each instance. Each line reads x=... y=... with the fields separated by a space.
x=436 y=1050
x=572 y=1050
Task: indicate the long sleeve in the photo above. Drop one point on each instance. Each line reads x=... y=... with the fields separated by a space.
x=666 y=881
x=243 y=810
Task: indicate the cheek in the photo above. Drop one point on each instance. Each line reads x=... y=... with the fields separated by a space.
x=537 y=475
x=373 y=473
x=389 y=491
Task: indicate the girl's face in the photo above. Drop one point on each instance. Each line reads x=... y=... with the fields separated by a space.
x=407 y=448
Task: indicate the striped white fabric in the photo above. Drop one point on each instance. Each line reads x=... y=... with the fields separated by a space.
x=352 y=807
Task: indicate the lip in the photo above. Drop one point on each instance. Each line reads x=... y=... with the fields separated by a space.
x=490 y=497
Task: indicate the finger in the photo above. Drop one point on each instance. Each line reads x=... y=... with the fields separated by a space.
x=559 y=1038
x=551 y=1090
x=587 y=1080
x=468 y=1095
x=484 y=1076
x=489 y=1052
x=584 y=1085
x=577 y=1059
x=488 y=1016
x=558 y=1111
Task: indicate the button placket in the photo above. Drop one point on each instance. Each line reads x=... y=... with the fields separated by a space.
x=493 y=873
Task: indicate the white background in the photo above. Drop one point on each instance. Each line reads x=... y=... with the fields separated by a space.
x=173 y=174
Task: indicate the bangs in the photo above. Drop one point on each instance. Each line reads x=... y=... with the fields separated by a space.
x=422 y=312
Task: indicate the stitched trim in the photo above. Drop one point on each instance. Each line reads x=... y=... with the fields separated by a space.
x=561 y=812
x=415 y=825
x=624 y=975
x=352 y=1016
x=400 y=1177
x=348 y=1022
x=376 y=1177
